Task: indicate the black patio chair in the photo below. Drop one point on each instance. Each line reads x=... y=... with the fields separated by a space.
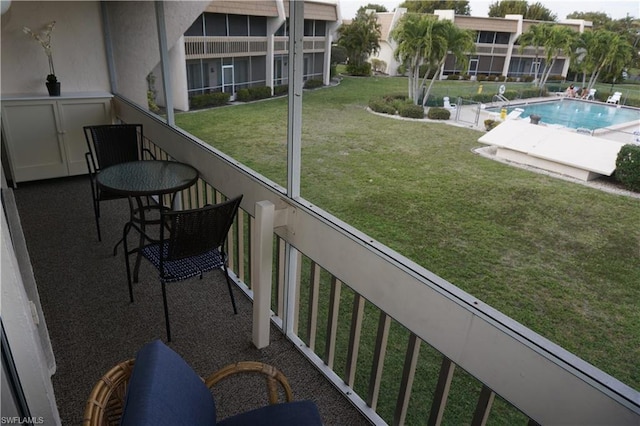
x=191 y=243
x=110 y=144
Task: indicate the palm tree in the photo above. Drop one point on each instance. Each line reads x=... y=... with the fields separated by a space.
x=606 y=51
x=424 y=40
x=460 y=44
x=560 y=40
x=535 y=36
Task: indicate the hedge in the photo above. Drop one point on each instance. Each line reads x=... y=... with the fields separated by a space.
x=437 y=113
x=628 y=167
x=411 y=111
x=209 y=100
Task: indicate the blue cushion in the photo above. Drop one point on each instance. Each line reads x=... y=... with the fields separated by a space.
x=164 y=390
x=297 y=413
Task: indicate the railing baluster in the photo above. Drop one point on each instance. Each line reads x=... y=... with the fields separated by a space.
x=408 y=374
x=242 y=249
x=442 y=392
x=298 y=283
x=314 y=295
x=354 y=339
x=332 y=323
x=483 y=408
x=384 y=324
x=280 y=285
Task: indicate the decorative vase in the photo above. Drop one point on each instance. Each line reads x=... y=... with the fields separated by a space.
x=53 y=88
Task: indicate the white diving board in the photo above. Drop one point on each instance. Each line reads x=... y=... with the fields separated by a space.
x=562 y=151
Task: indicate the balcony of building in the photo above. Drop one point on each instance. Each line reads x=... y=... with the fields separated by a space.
x=325 y=286
x=364 y=331
x=207 y=47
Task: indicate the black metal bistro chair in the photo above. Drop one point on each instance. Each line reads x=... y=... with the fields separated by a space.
x=191 y=243
x=110 y=144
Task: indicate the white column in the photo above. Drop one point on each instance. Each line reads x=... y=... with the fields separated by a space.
x=262 y=266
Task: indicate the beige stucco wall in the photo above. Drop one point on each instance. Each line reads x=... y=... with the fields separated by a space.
x=78 y=47
x=134 y=36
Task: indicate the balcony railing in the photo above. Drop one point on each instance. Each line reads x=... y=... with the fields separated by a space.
x=492 y=49
x=334 y=265
x=222 y=47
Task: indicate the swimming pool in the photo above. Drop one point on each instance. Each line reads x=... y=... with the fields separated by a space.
x=579 y=114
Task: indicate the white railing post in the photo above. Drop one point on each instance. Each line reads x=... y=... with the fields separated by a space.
x=262 y=267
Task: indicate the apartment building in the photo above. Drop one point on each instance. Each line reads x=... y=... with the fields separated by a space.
x=239 y=44
x=497 y=49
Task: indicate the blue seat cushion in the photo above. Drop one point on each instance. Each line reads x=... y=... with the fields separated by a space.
x=297 y=413
x=164 y=390
x=181 y=269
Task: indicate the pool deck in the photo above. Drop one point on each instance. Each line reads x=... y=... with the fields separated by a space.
x=573 y=154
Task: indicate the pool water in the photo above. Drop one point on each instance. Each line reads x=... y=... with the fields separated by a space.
x=577 y=114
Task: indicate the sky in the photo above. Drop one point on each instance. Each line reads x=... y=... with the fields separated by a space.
x=616 y=9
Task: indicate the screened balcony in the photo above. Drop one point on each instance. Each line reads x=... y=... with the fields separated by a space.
x=324 y=302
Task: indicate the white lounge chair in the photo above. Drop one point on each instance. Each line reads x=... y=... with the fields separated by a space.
x=615 y=98
x=592 y=95
x=515 y=113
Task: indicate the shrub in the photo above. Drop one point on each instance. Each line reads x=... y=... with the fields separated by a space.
x=378 y=65
x=490 y=124
x=411 y=110
x=243 y=95
x=628 y=167
x=313 y=83
x=527 y=78
x=260 y=92
x=437 y=113
x=209 y=100
x=482 y=97
x=379 y=105
x=280 y=90
x=362 y=70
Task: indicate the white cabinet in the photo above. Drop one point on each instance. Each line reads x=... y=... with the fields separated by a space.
x=44 y=137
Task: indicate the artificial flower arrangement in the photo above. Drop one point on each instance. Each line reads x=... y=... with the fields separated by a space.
x=44 y=38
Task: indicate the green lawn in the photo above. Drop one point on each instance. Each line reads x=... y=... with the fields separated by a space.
x=559 y=257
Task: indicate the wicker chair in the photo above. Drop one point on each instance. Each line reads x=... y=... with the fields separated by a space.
x=110 y=144
x=191 y=243
x=108 y=399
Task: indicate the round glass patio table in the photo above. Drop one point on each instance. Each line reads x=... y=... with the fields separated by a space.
x=149 y=178
x=152 y=177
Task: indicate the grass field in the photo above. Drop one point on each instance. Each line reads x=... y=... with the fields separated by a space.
x=561 y=258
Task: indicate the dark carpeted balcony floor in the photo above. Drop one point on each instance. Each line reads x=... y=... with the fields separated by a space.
x=93 y=326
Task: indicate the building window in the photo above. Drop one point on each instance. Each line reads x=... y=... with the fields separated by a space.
x=215 y=24
x=257 y=26
x=502 y=38
x=238 y=25
x=486 y=37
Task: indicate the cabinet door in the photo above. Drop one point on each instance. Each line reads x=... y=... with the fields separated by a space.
x=34 y=145
x=74 y=114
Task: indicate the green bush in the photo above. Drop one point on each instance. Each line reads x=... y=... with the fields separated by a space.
x=437 y=113
x=381 y=106
x=490 y=124
x=243 y=95
x=411 y=111
x=313 y=83
x=628 y=167
x=482 y=97
x=209 y=100
x=280 y=90
x=363 y=70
